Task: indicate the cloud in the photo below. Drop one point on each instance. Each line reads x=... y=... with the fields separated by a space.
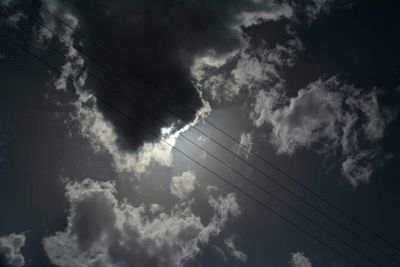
x=299 y=260
x=73 y=68
x=220 y=253
x=358 y=168
x=43 y=35
x=225 y=77
x=14 y=16
x=304 y=119
x=103 y=231
x=317 y=7
x=176 y=26
x=250 y=69
x=327 y=116
x=10 y=250
x=103 y=135
x=246 y=144
x=271 y=12
x=183 y=185
x=237 y=254
x=155 y=208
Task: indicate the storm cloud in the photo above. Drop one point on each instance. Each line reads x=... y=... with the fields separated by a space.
x=161 y=39
x=207 y=30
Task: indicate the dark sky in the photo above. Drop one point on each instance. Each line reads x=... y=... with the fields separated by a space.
x=311 y=86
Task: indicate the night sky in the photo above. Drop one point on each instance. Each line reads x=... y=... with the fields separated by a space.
x=199 y=133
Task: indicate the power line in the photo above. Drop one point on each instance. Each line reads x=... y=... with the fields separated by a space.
x=226 y=164
x=293 y=224
x=271 y=164
x=276 y=181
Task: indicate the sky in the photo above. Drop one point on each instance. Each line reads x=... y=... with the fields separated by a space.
x=199 y=133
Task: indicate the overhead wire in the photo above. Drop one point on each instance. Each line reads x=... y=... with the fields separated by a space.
x=248 y=148
x=237 y=188
x=309 y=204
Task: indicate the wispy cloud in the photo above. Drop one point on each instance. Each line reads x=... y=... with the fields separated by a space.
x=245 y=145
x=232 y=249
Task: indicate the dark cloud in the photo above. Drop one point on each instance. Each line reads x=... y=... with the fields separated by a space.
x=180 y=35
x=10 y=250
x=160 y=39
x=103 y=231
x=270 y=54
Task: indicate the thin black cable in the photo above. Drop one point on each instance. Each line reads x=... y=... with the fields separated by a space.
x=221 y=130
x=222 y=162
x=192 y=159
x=225 y=164
x=212 y=139
x=248 y=148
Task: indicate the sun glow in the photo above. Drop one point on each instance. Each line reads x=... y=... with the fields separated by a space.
x=166 y=131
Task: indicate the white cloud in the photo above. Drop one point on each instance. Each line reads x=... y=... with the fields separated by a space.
x=358 y=168
x=306 y=118
x=209 y=59
x=103 y=231
x=183 y=185
x=245 y=69
x=10 y=249
x=155 y=208
x=264 y=12
x=299 y=260
x=249 y=68
x=237 y=254
x=245 y=144
x=103 y=137
x=225 y=206
x=327 y=116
